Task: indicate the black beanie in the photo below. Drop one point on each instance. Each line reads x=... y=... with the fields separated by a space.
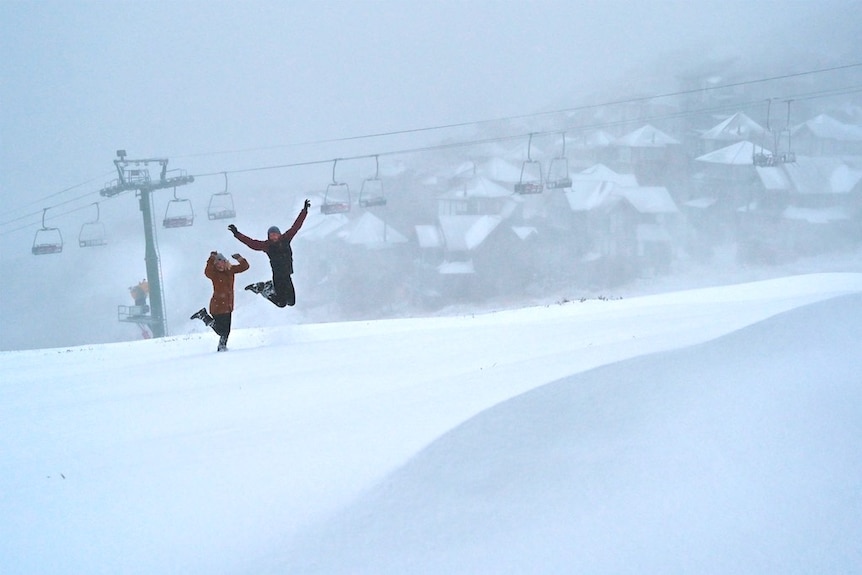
x=273 y=229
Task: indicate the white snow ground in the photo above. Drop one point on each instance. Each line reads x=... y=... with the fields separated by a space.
x=707 y=431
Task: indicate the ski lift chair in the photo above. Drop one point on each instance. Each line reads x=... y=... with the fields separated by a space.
x=558 y=174
x=371 y=192
x=221 y=205
x=558 y=171
x=531 y=180
x=179 y=213
x=337 y=197
x=336 y=200
x=47 y=240
x=92 y=234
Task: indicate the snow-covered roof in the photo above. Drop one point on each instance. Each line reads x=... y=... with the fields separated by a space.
x=737 y=127
x=827 y=127
x=454 y=268
x=478 y=187
x=774 y=178
x=602 y=173
x=465 y=233
x=816 y=216
x=429 y=236
x=318 y=226
x=524 y=232
x=648 y=199
x=590 y=141
x=738 y=154
x=371 y=231
x=700 y=203
x=646 y=137
x=822 y=175
x=588 y=195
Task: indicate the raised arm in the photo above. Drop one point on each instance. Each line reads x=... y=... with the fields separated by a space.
x=298 y=222
x=242 y=266
x=209 y=270
x=251 y=243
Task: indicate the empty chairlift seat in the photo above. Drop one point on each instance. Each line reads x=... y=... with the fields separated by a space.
x=92 y=234
x=47 y=240
x=179 y=213
x=221 y=205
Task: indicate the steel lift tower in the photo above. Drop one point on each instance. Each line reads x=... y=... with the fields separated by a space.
x=135 y=175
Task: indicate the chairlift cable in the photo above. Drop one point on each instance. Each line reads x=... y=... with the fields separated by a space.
x=807 y=96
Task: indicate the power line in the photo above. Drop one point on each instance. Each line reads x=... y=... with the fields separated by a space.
x=489 y=140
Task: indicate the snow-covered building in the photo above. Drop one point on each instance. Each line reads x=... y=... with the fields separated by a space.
x=824 y=135
x=654 y=156
x=736 y=128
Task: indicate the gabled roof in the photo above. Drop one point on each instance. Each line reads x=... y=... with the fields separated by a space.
x=524 y=232
x=648 y=199
x=737 y=127
x=822 y=175
x=465 y=233
x=827 y=127
x=738 y=154
x=602 y=173
x=477 y=187
x=646 y=137
x=811 y=175
x=591 y=140
x=587 y=196
x=371 y=231
x=319 y=226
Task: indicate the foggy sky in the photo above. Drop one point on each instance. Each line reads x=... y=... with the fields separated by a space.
x=233 y=86
x=189 y=79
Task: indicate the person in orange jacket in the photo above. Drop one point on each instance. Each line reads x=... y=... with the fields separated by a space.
x=140 y=293
x=220 y=271
x=279 y=290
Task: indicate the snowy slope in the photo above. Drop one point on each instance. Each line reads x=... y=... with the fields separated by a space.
x=165 y=457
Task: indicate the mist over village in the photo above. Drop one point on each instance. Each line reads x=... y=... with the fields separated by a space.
x=384 y=287
x=731 y=167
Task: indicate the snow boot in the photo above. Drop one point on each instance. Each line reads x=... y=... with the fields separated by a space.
x=267 y=290
x=202 y=315
x=255 y=288
x=222 y=343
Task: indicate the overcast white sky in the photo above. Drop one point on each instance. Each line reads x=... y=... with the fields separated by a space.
x=191 y=79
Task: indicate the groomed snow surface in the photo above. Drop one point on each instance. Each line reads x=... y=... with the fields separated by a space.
x=706 y=431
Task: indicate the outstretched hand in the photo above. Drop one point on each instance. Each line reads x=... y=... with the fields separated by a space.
x=307 y=204
x=236 y=257
x=232 y=228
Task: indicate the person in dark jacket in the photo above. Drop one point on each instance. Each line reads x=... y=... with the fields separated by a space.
x=221 y=273
x=279 y=290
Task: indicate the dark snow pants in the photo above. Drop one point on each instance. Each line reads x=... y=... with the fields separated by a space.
x=221 y=324
x=282 y=292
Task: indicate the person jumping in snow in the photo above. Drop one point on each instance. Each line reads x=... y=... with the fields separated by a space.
x=221 y=273
x=279 y=290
